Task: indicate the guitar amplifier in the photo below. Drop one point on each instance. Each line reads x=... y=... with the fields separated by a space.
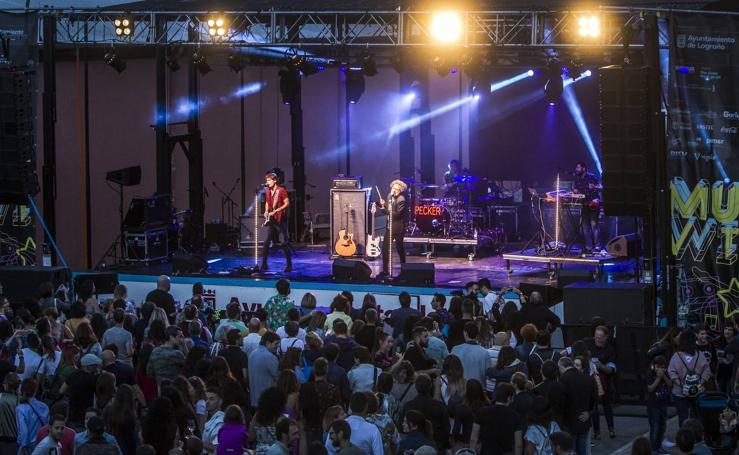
x=150 y=245
x=349 y=211
x=346 y=182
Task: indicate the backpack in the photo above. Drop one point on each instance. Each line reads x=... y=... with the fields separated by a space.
x=692 y=384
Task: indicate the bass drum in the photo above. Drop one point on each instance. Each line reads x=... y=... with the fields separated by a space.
x=432 y=219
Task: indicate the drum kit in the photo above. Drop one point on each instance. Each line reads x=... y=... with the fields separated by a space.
x=456 y=214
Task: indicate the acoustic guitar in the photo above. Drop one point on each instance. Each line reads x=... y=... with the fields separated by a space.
x=373 y=249
x=345 y=246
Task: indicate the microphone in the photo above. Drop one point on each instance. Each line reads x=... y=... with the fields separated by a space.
x=263 y=185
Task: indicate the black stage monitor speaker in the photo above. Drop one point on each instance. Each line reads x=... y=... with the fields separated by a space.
x=349 y=211
x=105 y=282
x=356 y=270
x=184 y=263
x=566 y=277
x=618 y=303
x=19 y=283
x=624 y=245
x=552 y=294
x=418 y=274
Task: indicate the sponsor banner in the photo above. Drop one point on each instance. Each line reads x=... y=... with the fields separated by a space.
x=703 y=120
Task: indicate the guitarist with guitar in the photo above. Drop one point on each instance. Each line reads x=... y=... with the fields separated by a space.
x=398 y=203
x=275 y=220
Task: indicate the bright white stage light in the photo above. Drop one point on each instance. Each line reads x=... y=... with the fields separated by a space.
x=446 y=26
x=589 y=26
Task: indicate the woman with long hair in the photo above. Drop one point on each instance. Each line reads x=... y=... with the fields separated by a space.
x=85 y=338
x=688 y=372
x=199 y=397
x=121 y=420
x=77 y=316
x=220 y=376
x=368 y=302
x=67 y=365
x=383 y=355
x=288 y=384
x=188 y=394
x=474 y=399
x=404 y=379
x=158 y=427
x=270 y=407
x=155 y=334
x=148 y=385
x=508 y=363
x=377 y=416
x=332 y=414
x=540 y=427
x=99 y=325
x=194 y=355
x=233 y=437
x=104 y=389
x=184 y=415
x=60 y=332
x=450 y=387
x=291 y=361
x=316 y=323
x=418 y=432
x=524 y=396
x=388 y=403
x=158 y=314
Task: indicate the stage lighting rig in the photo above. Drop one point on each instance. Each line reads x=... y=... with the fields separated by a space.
x=446 y=27
x=112 y=60
x=354 y=85
x=200 y=62
x=123 y=27
x=369 y=66
x=588 y=26
x=441 y=65
x=216 y=27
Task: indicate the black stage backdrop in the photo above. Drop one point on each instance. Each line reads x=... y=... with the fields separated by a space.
x=516 y=135
x=702 y=149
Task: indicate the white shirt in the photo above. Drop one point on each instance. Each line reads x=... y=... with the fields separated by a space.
x=251 y=342
x=365 y=435
x=488 y=301
x=211 y=428
x=32 y=363
x=281 y=332
x=48 y=367
x=287 y=343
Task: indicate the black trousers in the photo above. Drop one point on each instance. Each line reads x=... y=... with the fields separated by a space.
x=590 y=217
x=386 y=250
x=273 y=236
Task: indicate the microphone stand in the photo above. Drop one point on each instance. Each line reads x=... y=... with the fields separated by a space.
x=226 y=199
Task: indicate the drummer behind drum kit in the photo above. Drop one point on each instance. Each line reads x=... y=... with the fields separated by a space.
x=459 y=214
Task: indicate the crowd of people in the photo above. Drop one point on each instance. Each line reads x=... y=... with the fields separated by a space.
x=477 y=373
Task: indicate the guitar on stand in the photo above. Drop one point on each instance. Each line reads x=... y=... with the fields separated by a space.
x=374 y=247
x=345 y=246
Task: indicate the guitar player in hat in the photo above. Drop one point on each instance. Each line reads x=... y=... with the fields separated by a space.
x=399 y=216
x=275 y=219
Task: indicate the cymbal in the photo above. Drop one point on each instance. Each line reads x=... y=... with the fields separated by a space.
x=411 y=181
x=429 y=186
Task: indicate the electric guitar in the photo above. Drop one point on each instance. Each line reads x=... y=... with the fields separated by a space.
x=373 y=249
x=345 y=245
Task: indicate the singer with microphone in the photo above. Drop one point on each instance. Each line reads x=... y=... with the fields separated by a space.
x=276 y=203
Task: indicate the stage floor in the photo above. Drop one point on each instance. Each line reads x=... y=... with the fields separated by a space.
x=453 y=268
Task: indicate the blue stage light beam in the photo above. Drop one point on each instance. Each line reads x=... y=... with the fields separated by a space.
x=576 y=112
x=415 y=121
x=505 y=83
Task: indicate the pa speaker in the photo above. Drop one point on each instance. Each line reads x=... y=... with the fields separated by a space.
x=624 y=246
x=188 y=263
x=351 y=270
x=19 y=283
x=105 y=282
x=566 y=277
x=419 y=274
x=552 y=295
x=618 y=303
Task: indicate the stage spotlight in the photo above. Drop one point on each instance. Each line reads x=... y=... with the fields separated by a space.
x=171 y=58
x=235 y=62
x=200 y=62
x=112 y=60
x=474 y=92
x=369 y=66
x=289 y=80
x=553 y=89
x=589 y=26
x=354 y=86
x=398 y=63
x=216 y=27
x=446 y=27
x=442 y=67
x=587 y=73
x=530 y=73
x=123 y=27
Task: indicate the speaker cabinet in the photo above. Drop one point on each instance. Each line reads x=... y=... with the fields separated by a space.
x=552 y=295
x=419 y=274
x=19 y=283
x=349 y=211
x=565 y=277
x=618 y=303
x=351 y=270
x=183 y=263
x=624 y=245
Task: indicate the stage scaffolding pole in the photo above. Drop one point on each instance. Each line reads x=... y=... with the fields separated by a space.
x=49 y=130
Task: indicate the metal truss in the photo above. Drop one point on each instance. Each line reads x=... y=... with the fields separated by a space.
x=512 y=29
